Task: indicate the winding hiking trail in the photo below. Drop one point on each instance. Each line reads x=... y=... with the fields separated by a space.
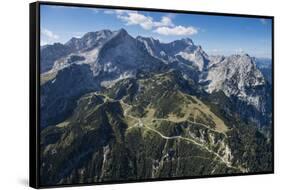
x=140 y=124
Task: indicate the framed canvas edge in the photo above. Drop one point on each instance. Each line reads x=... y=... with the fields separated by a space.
x=34 y=59
x=34 y=93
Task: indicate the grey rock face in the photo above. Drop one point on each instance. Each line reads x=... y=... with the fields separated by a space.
x=58 y=96
x=89 y=41
x=115 y=55
x=50 y=53
x=237 y=75
x=182 y=51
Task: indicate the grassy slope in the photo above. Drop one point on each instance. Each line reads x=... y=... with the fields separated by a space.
x=143 y=129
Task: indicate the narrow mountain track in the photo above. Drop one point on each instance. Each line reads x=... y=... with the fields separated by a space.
x=140 y=124
x=228 y=164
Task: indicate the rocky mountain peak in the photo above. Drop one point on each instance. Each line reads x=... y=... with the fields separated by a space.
x=116 y=52
x=188 y=41
x=236 y=75
x=89 y=41
x=148 y=39
x=122 y=33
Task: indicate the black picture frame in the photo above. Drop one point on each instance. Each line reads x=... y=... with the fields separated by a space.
x=34 y=90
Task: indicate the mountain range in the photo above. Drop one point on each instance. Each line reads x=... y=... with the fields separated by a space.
x=115 y=108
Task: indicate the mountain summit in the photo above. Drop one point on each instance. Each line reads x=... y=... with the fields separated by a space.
x=115 y=107
x=114 y=55
x=237 y=75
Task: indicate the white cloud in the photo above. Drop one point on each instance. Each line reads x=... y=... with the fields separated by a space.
x=95 y=10
x=77 y=34
x=177 y=30
x=146 y=22
x=117 y=12
x=164 y=27
x=137 y=19
x=48 y=36
x=263 y=21
x=42 y=43
x=239 y=51
x=108 y=12
x=165 y=21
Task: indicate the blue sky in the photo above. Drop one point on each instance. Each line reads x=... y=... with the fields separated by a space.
x=222 y=35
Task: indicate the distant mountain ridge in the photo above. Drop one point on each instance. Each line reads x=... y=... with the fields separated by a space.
x=235 y=75
x=115 y=107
